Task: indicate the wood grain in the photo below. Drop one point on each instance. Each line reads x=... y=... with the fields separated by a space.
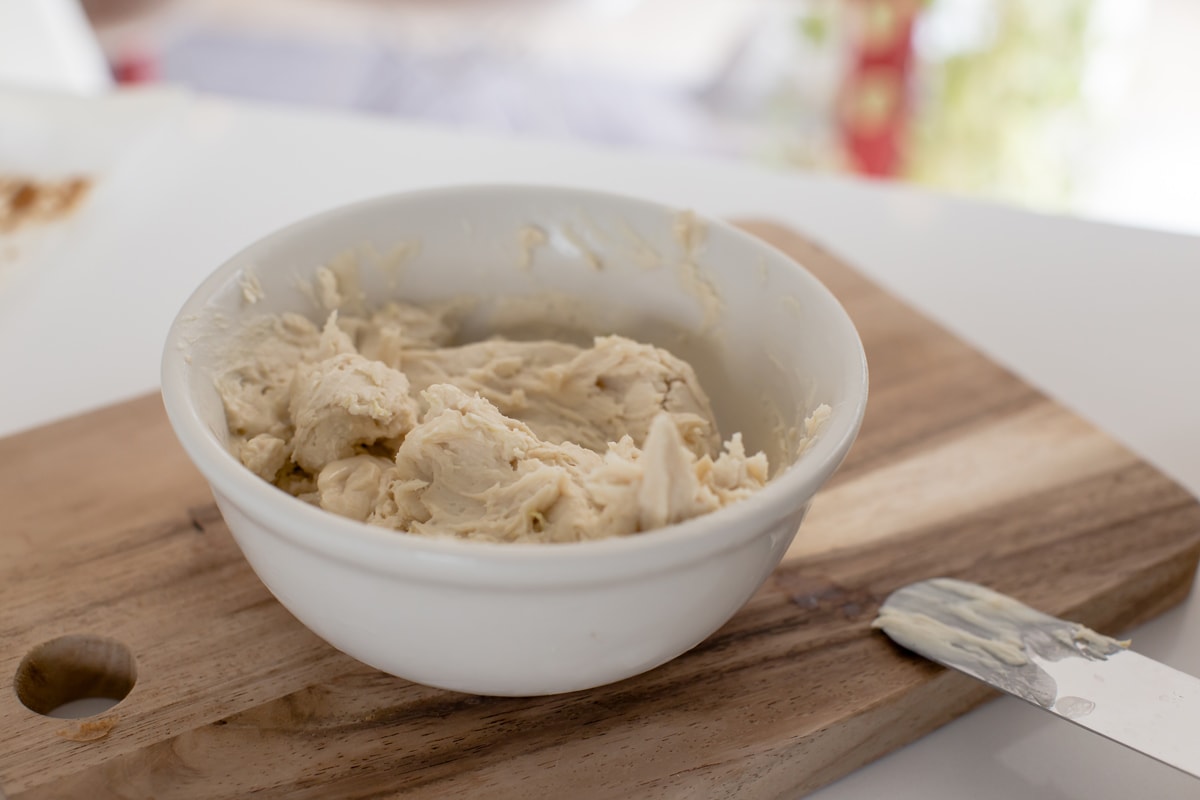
x=961 y=469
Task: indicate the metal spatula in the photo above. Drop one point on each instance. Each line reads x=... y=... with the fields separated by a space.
x=1063 y=667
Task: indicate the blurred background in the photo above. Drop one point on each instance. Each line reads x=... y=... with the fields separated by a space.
x=1086 y=107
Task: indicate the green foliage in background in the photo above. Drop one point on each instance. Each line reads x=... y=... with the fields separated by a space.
x=1002 y=120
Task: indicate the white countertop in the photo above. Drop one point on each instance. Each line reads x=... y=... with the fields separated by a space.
x=1104 y=318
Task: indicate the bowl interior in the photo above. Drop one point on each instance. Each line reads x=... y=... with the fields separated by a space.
x=768 y=342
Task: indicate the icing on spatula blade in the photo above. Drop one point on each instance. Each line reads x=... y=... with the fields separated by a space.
x=1063 y=667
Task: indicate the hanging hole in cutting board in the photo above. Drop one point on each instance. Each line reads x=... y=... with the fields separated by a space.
x=75 y=676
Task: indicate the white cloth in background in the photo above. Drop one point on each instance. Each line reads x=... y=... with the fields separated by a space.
x=48 y=44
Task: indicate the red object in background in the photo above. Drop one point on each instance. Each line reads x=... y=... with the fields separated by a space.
x=873 y=106
x=135 y=67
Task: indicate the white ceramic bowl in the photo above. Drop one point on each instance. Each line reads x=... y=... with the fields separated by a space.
x=529 y=619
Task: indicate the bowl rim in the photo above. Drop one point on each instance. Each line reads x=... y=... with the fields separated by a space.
x=506 y=564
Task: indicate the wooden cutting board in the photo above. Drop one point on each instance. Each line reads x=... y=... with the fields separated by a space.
x=961 y=469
